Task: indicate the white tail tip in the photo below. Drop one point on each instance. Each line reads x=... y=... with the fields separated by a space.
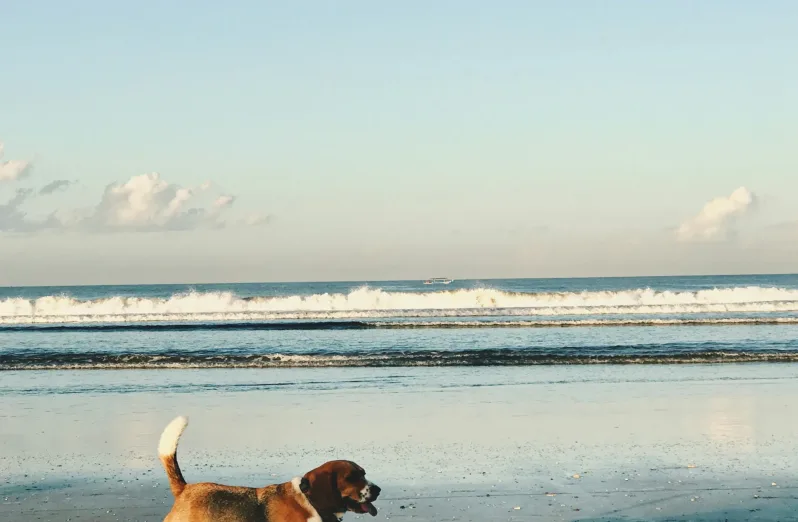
x=171 y=434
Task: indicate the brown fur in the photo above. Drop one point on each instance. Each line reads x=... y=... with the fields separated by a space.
x=176 y=481
x=330 y=490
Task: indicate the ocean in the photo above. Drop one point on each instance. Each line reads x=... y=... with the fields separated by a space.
x=559 y=399
x=468 y=323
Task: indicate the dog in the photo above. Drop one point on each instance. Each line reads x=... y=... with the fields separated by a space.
x=320 y=495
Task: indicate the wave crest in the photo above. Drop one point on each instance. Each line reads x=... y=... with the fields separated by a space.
x=368 y=302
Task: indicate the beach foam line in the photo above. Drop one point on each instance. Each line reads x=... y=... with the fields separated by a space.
x=153 y=324
x=368 y=302
x=35 y=360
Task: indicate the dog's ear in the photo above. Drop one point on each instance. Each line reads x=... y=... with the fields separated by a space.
x=321 y=487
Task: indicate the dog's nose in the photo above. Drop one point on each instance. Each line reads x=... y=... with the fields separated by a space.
x=375 y=491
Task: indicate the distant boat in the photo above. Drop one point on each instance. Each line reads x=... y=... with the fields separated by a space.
x=438 y=281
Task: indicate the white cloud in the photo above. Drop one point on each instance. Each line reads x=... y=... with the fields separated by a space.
x=12 y=169
x=14 y=219
x=716 y=220
x=223 y=201
x=253 y=219
x=142 y=204
x=147 y=202
x=55 y=186
x=11 y=216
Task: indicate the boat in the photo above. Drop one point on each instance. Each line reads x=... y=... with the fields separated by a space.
x=438 y=281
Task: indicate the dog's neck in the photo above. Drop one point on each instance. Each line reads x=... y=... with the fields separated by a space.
x=313 y=513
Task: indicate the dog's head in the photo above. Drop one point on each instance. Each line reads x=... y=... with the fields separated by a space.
x=339 y=486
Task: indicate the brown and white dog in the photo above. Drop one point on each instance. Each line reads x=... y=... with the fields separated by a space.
x=321 y=495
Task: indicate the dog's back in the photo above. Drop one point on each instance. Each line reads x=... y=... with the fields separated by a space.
x=208 y=502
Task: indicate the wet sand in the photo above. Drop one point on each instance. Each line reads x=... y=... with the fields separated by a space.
x=653 y=496
x=561 y=443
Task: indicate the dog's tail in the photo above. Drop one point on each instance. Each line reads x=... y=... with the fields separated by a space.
x=167 y=452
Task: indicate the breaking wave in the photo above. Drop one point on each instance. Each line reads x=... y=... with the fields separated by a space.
x=374 y=303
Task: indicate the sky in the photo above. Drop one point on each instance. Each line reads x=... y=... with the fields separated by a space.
x=156 y=142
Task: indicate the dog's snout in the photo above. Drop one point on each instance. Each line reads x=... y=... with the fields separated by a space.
x=375 y=491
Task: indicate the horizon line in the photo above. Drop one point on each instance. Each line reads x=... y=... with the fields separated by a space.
x=366 y=281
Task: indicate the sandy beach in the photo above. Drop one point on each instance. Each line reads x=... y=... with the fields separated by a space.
x=714 y=442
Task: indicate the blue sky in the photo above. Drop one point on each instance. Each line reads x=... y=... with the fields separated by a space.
x=365 y=141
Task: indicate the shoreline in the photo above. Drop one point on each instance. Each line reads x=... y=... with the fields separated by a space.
x=286 y=362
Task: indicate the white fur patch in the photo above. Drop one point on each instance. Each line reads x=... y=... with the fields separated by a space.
x=365 y=493
x=167 y=446
x=304 y=502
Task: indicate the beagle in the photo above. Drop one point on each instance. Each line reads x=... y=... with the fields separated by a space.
x=321 y=495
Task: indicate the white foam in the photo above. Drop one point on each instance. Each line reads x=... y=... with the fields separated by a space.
x=376 y=303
